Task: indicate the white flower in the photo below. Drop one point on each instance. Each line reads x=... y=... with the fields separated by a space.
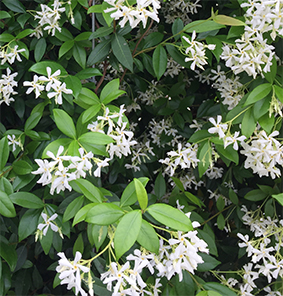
x=218 y=128
x=70 y=272
x=12 y=141
x=47 y=222
x=34 y=86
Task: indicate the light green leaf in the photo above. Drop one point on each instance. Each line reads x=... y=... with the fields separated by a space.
x=159 y=61
x=40 y=68
x=5 y=37
x=24 y=33
x=141 y=194
x=79 y=55
x=26 y=200
x=177 y=27
x=88 y=73
x=78 y=245
x=279 y=198
x=202 y=26
x=54 y=146
x=204 y=154
x=95 y=138
x=6 y=186
x=170 y=217
x=81 y=214
x=46 y=241
x=233 y=196
x=96 y=235
x=148 y=238
x=258 y=93
x=4 y=15
x=129 y=196
x=267 y=122
x=86 y=98
x=104 y=214
x=221 y=289
x=122 y=51
x=127 y=232
x=279 y=92
x=7 y=208
x=160 y=186
x=228 y=20
x=64 y=123
x=89 y=113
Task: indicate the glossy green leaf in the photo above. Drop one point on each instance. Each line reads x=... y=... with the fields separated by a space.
x=28 y=223
x=221 y=289
x=73 y=208
x=159 y=61
x=40 y=68
x=233 y=196
x=160 y=186
x=64 y=123
x=248 y=124
x=74 y=83
x=228 y=20
x=9 y=254
x=270 y=76
x=95 y=138
x=279 y=198
x=129 y=196
x=26 y=200
x=24 y=33
x=267 y=122
x=204 y=155
x=6 y=186
x=141 y=194
x=255 y=195
x=104 y=214
x=14 y=5
x=4 y=15
x=101 y=32
x=4 y=155
x=78 y=245
x=79 y=55
x=99 y=53
x=148 y=238
x=86 y=98
x=96 y=235
x=220 y=221
x=32 y=121
x=65 y=47
x=40 y=49
x=122 y=51
x=209 y=263
x=7 y=208
x=202 y=26
x=88 y=73
x=258 y=93
x=89 y=113
x=170 y=217
x=279 y=92
x=81 y=214
x=54 y=146
x=127 y=232
x=177 y=27
x=90 y=191
x=46 y=241
x=5 y=37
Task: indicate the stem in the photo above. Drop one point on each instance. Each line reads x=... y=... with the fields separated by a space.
x=102 y=77
x=215 y=215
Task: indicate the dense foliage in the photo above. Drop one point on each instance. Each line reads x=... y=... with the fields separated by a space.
x=141 y=147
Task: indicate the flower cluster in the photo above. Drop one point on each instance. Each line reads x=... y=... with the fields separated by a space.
x=151 y=95
x=10 y=54
x=185 y=157
x=70 y=272
x=264 y=16
x=195 y=51
x=7 y=84
x=180 y=254
x=251 y=54
x=116 y=126
x=54 y=86
x=264 y=251
x=49 y=18
x=263 y=153
x=180 y=9
x=62 y=169
x=135 y=14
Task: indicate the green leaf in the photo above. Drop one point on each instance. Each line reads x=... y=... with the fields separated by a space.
x=26 y=200
x=159 y=61
x=153 y=39
x=208 y=264
x=54 y=146
x=46 y=241
x=90 y=191
x=221 y=289
x=104 y=214
x=270 y=76
x=5 y=37
x=200 y=136
x=40 y=68
x=78 y=245
x=81 y=214
x=218 y=49
x=228 y=20
x=79 y=55
x=4 y=15
x=88 y=73
x=24 y=33
x=228 y=152
x=255 y=195
x=110 y=91
x=194 y=199
x=96 y=235
x=74 y=83
x=258 y=93
x=127 y=232
x=209 y=240
x=32 y=121
x=73 y=208
x=28 y=223
x=129 y=196
x=101 y=32
x=279 y=92
x=7 y=208
x=65 y=47
x=170 y=217
x=220 y=221
x=177 y=55
x=14 y=5
x=6 y=186
x=122 y=51
x=64 y=35
x=160 y=186
x=9 y=254
x=95 y=138
x=64 y=123
x=279 y=198
x=148 y=238
x=86 y=98
x=89 y=113
x=248 y=124
x=177 y=27
x=99 y=53
x=40 y=49
x=141 y=194
x=233 y=196
x=204 y=154
x=4 y=155
x=202 y=26
x=267 y=122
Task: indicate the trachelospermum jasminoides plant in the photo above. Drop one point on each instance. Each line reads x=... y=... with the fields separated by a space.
x=123 y=121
